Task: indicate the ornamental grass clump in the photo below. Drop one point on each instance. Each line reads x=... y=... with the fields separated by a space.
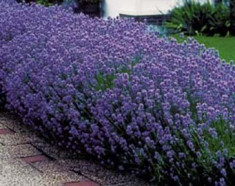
x=128 y=98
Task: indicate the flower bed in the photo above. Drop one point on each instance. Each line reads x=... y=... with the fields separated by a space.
x=125 y=96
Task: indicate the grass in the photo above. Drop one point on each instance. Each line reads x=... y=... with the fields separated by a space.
x=225 y=45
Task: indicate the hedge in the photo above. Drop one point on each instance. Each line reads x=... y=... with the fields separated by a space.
x=120 y=93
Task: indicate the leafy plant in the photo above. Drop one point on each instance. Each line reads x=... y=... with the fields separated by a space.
x=194 y=17
x=219 y=21
x=44 y=2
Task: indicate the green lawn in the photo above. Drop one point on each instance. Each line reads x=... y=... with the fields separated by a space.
x=225 y=45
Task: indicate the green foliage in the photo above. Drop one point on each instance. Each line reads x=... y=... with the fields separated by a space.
x=44 y=2
x=104 y=82
x=191 y=17
x=219 y=21
x=225 y=135
x=194 y=18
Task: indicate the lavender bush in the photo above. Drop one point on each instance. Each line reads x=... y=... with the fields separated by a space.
x=132 y=100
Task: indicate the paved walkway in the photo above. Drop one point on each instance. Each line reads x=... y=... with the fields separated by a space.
x=26 y=160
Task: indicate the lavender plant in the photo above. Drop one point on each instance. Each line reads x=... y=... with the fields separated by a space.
x=127 y=97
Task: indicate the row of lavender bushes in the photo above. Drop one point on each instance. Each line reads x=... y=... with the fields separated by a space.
x=127 y=97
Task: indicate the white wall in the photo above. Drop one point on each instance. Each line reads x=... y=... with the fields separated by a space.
x=113 y=8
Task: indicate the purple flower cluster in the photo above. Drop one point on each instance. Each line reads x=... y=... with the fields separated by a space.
x=121 y=93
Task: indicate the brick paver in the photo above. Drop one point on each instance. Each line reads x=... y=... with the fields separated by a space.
x=6 y=131
x=33 y=159
x=22 y=150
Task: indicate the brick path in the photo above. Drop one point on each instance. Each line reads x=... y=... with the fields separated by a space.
x=27 y=160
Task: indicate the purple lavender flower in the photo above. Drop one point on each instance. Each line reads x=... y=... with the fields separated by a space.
x=118 y=92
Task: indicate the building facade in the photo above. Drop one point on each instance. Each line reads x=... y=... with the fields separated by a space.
x=113 y=8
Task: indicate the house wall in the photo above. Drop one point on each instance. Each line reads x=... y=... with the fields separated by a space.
x=112 y=8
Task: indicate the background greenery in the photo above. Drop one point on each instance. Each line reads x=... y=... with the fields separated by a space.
x=193 y=18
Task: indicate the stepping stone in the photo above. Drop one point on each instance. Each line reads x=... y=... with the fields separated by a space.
x=49 y=167
x=101 y=175
x=15 y=125
x=50 y=150
x=33 y=159
x=6 y=131
x=19 y=138
x=2 y=126
x=22 y=150
x=81 y=183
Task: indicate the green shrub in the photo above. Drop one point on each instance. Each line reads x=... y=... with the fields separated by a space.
x=193 y=18
x=42 y=2
x=219 y=22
